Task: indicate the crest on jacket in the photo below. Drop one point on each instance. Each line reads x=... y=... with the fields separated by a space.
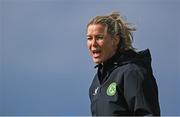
x=111 y=90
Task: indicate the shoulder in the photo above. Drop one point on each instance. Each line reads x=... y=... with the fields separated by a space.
x=133 y=72
x=132 y=67
x=134 y=77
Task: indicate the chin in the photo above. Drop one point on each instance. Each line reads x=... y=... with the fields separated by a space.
x=97 y=61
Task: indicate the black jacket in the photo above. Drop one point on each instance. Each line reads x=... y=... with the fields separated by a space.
x=125 y=85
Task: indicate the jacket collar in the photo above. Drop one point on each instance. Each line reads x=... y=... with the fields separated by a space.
x=117 y=59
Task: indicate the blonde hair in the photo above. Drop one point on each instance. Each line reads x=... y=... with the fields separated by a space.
x=116 y=26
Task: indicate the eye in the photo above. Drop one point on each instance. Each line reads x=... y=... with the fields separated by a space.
x=89 y=38
x=100 y=37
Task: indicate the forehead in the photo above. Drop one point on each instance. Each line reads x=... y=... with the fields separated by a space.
x=96 y=29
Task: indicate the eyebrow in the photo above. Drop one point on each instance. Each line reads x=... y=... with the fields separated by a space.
x=100 y=34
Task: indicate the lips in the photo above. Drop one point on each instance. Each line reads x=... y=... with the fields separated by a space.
x=96 y=53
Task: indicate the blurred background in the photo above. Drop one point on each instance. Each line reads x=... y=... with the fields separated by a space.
x=45 y=67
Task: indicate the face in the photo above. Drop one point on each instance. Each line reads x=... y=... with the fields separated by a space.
x=100 y=44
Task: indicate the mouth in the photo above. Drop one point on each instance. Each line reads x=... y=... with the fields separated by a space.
x=96 y=53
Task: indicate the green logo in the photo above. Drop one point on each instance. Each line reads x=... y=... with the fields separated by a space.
x=111 y=90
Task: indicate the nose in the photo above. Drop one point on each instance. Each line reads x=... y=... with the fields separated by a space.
x=94 y=42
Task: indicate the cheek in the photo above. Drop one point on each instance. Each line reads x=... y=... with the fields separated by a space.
x=101 y=43
x=108 y=44
x=88 y=44
x=109 y=48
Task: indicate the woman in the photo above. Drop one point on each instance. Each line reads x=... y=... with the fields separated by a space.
x=124 y=83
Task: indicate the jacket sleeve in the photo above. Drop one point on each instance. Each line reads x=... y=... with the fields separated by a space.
x=141 y=92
